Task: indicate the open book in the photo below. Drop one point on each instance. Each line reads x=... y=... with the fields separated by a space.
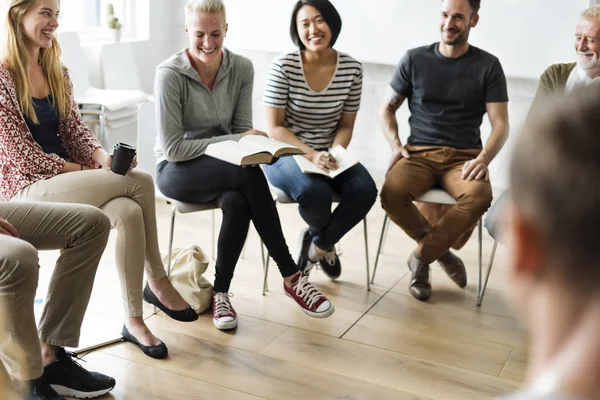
x=345 y=160
x=251 y=150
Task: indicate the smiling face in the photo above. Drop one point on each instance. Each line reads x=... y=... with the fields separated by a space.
x=206 y=34
x=457 y=19
x=313 y=31
x=587 y=45
x=40 y=23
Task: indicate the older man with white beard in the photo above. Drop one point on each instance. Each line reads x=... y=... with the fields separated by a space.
x=559 y=79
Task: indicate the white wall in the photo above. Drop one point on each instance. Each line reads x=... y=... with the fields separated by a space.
x=527 y=35
x=164 y=39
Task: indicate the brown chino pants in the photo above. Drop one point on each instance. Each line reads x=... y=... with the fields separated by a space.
x=427 y=167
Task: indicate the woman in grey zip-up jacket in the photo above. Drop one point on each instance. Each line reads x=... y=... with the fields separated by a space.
x=204 y=95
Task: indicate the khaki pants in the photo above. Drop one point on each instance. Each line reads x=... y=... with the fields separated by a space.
x=81 y=232
x=411 y=177
x=129 y=202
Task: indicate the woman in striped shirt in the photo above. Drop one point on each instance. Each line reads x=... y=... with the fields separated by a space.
x=311 y=99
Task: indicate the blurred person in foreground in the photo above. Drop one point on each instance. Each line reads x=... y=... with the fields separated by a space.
x=552 y=218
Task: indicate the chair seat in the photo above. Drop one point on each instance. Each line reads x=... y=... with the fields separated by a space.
x=112 y=100
x=438 y=196
x=185 y=208
x=283 y=198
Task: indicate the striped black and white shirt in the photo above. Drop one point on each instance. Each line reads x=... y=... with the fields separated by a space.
x=313 y=116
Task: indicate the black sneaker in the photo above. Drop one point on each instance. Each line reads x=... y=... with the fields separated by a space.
x=69 y=378
x=302 y=261
x=40 y=389
x=331 y=265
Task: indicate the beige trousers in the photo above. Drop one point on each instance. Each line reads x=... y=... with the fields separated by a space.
x=81 y=232
x=129 y=202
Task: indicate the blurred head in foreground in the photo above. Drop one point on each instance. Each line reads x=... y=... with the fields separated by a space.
x=553 y=221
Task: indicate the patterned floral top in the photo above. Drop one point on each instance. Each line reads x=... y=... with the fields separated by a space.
x=22 y=160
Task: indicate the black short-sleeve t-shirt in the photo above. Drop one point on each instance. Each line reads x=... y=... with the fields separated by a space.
x=447 y=96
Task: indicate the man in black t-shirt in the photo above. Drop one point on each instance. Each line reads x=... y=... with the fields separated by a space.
x=449 y=86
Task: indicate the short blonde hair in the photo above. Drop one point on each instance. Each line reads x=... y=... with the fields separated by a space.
x=592 y=12
x=205 y=6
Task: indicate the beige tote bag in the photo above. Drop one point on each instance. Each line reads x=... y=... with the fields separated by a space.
x=187 y=267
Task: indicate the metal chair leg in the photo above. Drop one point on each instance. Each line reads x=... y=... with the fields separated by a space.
x=381 y=239
x=367 y=253
x=213 y=244
x=387 y=228
x=265 y=260
x=480 y=255
x=103 y=129
x=487 y=276
x=171 y=233
x=266 y=269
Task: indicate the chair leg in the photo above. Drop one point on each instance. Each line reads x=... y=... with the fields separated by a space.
x=380 y=245
x=103 y=129
x=265 y=261
x=265 y=288
x=171 y=233
x=367 y=253
x=213 y=244
x=487 y=276
x=480 y=256
x=387 y=228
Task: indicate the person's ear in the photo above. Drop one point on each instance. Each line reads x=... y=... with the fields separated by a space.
x=187 y=32
x=474 y=20
x=226 y=29
x=526 y=245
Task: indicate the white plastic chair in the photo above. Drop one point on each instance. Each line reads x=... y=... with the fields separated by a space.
x=120 y=69
x=439 y=196
x=102 y=105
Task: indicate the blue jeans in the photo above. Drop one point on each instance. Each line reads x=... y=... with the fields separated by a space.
x=314 y=195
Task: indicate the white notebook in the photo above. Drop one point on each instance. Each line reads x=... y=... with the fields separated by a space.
x=345 y=160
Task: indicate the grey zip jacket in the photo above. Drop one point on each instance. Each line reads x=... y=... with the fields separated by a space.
x=189 y=116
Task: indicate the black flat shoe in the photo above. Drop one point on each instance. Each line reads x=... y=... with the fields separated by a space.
x=185 y=315
x=158 y=351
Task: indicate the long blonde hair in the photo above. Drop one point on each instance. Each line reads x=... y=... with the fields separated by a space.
x=16 y=58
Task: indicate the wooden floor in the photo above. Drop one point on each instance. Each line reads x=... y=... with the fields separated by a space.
x=382 y=344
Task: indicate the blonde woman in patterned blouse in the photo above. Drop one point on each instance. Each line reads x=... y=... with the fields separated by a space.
x=47 y=153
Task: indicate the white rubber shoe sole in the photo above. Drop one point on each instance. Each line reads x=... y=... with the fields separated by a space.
x=225 y=325
x=65 y=391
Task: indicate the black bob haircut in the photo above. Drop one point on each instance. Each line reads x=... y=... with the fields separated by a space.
x=327 y=11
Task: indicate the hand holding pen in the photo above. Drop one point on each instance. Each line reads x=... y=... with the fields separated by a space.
x=325 y=161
